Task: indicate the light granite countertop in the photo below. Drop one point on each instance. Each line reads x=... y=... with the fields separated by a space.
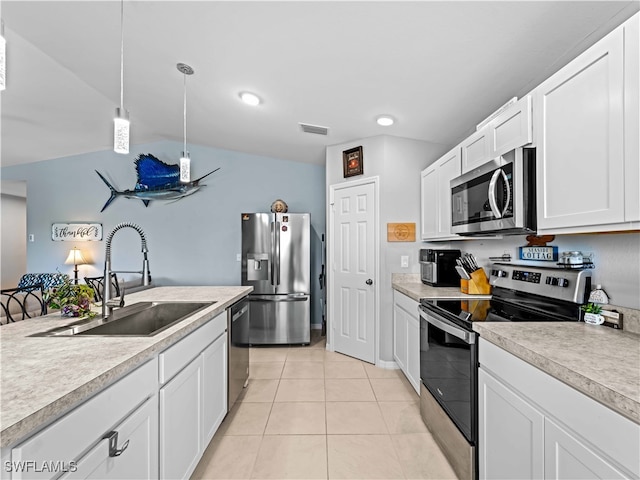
x=42 y=378
x=600 y=362
x=410 y=285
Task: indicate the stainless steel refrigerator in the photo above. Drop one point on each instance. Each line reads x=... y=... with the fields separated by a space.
x=276 y=262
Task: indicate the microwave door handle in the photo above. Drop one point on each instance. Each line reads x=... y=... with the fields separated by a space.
x=492 y=193
x=506 y=186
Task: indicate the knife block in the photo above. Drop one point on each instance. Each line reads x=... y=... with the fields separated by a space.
x=478 y=285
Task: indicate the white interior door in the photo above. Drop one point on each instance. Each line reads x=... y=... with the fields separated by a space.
x=353 y=281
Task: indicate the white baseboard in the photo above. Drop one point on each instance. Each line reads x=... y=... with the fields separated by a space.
x=388 y=365
x=316 y=326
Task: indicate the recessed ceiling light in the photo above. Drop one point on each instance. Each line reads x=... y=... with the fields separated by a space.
x=250 y=98
x=385 y=120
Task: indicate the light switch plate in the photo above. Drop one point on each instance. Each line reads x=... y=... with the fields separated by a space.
x=238 y=257
x=404 y=261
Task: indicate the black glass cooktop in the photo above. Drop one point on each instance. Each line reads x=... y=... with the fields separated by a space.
x=504 y=306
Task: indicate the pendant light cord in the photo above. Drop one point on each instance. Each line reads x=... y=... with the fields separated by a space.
x=184 y=77
x=122 y=55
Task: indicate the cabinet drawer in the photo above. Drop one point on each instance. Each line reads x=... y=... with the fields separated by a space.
x=406 y=303
x=174 y=358
x=67 y=438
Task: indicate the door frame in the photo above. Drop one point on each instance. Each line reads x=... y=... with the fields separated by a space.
x=331 y=259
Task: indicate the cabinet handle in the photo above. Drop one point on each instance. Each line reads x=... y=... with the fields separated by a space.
x=114 y=451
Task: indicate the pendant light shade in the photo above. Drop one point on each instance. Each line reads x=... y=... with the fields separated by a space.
x=121 y=131
x=121 y=120
x=185 y=160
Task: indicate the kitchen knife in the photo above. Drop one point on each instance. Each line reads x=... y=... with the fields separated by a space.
x=462 y=272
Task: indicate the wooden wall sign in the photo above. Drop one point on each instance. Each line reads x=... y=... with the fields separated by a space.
x=76 y=232
x=539 y=254
x=401 y=232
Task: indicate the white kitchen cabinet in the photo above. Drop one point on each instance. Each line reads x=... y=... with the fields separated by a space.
x=586 y=118
x=436 y=197
x=511 y=432
x=529 y=417
x=181 y=422
x=566 y=456
x=193 y=402
x=138 y=442
x=511 y=128
x=80 y=430
x=406 y=337
x=476 y=149
x=214 y=387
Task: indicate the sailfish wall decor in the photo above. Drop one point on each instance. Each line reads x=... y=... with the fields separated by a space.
x=156 y=181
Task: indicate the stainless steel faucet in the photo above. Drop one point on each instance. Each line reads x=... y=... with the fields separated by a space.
x=107 y=303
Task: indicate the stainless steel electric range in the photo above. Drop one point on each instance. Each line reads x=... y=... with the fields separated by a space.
x=448 y=346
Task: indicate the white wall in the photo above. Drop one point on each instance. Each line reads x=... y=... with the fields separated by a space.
x=397 y=162
x=193 y=241
x=13 y=241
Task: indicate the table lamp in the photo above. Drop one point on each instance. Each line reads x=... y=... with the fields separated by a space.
x=75 y=258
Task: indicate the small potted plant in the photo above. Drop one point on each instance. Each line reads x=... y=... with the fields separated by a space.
x=72 y=300
x=592 y=313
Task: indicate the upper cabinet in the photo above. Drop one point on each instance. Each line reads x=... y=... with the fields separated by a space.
x=510 y=129
x=587 y=135
x=436 y=197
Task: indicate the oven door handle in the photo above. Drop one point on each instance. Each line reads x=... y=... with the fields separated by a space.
x=467 y=337
x=492 y=193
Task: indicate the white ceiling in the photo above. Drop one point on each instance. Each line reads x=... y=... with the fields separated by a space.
x=438 y=67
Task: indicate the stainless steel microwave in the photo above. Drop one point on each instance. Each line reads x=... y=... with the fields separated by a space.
x=498 y=197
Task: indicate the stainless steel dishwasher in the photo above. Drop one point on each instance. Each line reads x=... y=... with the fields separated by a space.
x=238 y=348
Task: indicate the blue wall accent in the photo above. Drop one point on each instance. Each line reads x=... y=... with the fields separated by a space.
x=193 y=241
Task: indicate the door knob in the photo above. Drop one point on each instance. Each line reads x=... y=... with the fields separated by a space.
x=369 y=282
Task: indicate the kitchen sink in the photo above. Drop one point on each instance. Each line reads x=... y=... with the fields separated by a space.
x=140 y=319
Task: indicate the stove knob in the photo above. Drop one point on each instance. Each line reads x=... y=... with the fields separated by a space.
x=548 y=281
x=554 y=281
x=563 y=282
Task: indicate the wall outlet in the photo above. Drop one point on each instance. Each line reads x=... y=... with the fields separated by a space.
x=32 y=237
x=238 y=257
x=404 y=261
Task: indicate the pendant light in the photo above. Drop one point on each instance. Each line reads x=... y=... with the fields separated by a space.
x=3 y=65
x=121 y=120
x=185 y=161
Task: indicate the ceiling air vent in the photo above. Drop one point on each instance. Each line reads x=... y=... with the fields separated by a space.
x=317 y=129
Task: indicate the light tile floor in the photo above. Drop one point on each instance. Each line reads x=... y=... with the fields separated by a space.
x=312 y=414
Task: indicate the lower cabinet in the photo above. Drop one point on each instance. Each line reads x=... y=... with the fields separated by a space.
x=532 y=425
x=406 y=337
x=193 y=403
x=164 y=414
x=133 y=455
x=181 y=422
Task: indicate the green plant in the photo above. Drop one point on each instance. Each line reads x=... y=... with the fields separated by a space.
x=592 y=308
x=72 y=300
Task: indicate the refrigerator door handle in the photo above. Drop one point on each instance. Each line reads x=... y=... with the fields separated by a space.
x=277 y=253
x=273 y=243
x=278 y=298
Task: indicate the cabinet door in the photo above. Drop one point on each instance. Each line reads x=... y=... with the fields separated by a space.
x=511 y=129
x=476 y=150
x=632 y=118
x=436 y=196
x=399 y=335
x=429 y=203
x=139 y=460
x=567 y=457
x=448 y=169
x=214 y=387
x=181 y=422
x=579 y=120
x=413 y=349
x=511 y=432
